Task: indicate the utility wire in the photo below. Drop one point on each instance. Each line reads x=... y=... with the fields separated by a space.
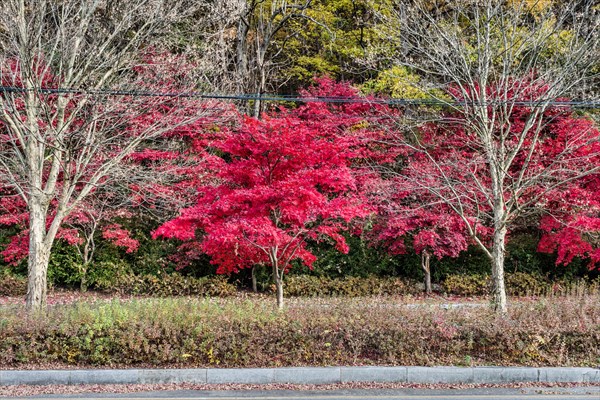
x=303 y=99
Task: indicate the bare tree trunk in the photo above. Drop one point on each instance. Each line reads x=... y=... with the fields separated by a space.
x=279 y=286
x=261 y=89
x=472 y=46
x=241 y=51
x=89 y=249
x=83 y=278
x=278 y=279
x=39 y=257
x=425 y=258
x=57 y=150
x=254 y=284
x=260 y=22
x=499 y=289
x=83 y=281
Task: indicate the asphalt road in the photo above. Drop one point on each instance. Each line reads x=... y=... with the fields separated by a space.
x=581 y=393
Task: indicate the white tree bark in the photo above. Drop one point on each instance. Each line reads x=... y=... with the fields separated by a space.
x=499 y=300
x=277 y=276
x=39 y=255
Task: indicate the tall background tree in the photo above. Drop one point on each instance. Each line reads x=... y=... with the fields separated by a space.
x=245 y=43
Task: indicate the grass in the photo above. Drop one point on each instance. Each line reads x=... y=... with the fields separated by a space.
x=248 y=331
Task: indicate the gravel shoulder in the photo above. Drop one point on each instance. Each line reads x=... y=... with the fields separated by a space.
x=527 y=387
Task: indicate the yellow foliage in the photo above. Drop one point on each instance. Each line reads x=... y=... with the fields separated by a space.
x=534 y=7
x=401 y=83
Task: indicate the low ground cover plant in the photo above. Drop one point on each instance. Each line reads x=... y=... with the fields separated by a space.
x=12 y=285
x=186 y=332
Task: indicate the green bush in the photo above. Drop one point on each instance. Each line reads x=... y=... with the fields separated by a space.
x=167 y=285
x=524 y=284
x=64 y=267
x=11 y=285
x=311 y=286
x=519 y=284
x=467 y=285
x=363 y=259
x=105 y=274
x=470 y=262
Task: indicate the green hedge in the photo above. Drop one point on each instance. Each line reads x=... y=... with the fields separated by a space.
x=174 y=284
x=11 y=285
x=310 y=286
x=519 y=284
x=167 y=285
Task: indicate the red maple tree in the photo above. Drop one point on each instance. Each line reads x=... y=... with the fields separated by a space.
x=572 y=229
x=279 y=182
x=427 y=231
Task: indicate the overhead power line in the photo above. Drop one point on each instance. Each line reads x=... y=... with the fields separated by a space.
x=303 y=99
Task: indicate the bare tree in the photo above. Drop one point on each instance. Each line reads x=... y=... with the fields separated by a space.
x=57 y=145
x=244 y=39
x=214 y=46
x=264 y=21
x=471 y=46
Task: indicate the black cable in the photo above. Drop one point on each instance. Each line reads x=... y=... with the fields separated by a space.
x=303 y=99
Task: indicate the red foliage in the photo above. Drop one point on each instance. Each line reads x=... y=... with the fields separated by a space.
x=574 y=228
x=279 y=182
x=120 y=237
x=435 y=230
x=447 y=172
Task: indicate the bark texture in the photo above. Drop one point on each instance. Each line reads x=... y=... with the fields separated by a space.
x=426 y=265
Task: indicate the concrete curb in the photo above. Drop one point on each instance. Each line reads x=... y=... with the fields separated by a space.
x=302 y=375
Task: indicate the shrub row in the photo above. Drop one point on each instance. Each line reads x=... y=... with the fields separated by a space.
x=519 y=284
x=166 y=285
x=174 y=284
x=235 y=333
x=310 y=286
x=11 y=285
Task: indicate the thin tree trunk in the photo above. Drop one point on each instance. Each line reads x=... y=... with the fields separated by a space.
x=425 y=264
x=242 y=57
x=278 y=285
x=39 y=257
x=262 y=83
x=242 y=73
x=254 y=284
x=83 y=279
x=499 y=301
x=86 y=260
